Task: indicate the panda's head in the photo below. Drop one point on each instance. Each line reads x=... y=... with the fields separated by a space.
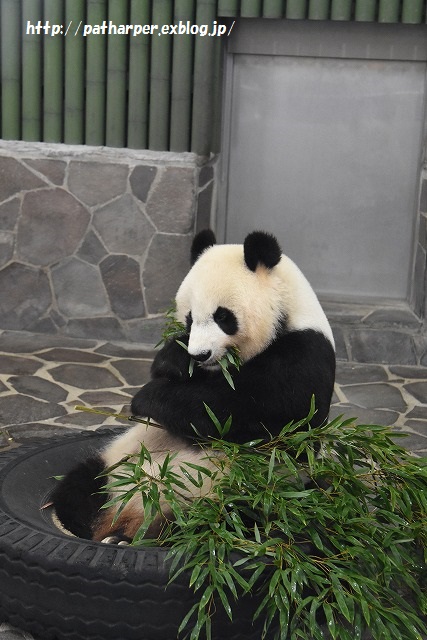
x=243 y=296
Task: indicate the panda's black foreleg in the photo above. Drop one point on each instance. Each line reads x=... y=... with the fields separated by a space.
x=77 y=499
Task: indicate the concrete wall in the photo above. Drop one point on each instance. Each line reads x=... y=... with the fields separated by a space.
x=94 y=242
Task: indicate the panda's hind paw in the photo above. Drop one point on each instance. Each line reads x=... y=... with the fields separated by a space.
x=118 y=540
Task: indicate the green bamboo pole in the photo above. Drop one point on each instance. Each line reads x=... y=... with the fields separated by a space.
x=74 y=73
x=182 y=76
x=201 y=134
x=139 y=68
x=389 y=11
x=318 y=9
x=116 y=116
x=229 y=8
x=96 y=64
x=217 y=97
x=160 y=84
x=53 y=75
x=31 y=72
x=296 y=9
x=412 y=11
x=272 y=9
x=341 y=9
x=366 y=10
x=10 y=69
x=251 y=8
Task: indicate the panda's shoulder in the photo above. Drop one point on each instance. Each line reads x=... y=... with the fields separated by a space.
x=298 y=346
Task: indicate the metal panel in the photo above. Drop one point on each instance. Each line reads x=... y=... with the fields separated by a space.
x=329 y=163
x=331 y=39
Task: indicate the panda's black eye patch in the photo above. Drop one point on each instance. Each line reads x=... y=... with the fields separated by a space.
x=188 y=321
x=226 y=320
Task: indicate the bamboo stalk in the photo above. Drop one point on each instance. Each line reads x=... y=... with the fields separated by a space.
x=389 y=11
x=120 y=416
x=10 y=70
x=250 y=8
x=217 y=99
x=318 y=9
x=96 y=64
x=74 y=76
x=201 y=133
x=139 y=69
x=116 y=77
x=31 y=73
x=53 y=76
x=412 y=11
x=160 y=85
x=229 y=8
x=182 y=76
x=341 y=9
x=272 y=9
x=366 y=10
x=296 y=9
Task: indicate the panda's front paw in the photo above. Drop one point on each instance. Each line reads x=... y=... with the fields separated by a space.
x=172 y=361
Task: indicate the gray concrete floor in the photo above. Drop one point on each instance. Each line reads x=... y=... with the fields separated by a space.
x=43 y=378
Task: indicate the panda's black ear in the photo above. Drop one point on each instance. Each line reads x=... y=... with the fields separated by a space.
x=202 y=241
x=261 y=248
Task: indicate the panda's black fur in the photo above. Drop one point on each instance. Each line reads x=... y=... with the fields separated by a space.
x=276 y=381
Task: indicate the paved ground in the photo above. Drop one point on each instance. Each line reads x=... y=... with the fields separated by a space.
x=43 y=378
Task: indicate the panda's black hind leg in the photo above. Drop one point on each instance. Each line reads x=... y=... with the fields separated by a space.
x=77 y=498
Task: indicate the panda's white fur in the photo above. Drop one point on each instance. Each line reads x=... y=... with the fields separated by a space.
x=260 y=299
x=278 y=317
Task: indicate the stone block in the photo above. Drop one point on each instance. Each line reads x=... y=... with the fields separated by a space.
x=123 y=227
x=14 y=178
x=25 y=296
x=393 y=316
x=84 y=376
x=418 y=390
x=167 y=264
x=148 y=331
x=18 y=365
x=375 y=396
x=122 y=280
x=38 y=388
x=54 y=169
x=9 y=214
x=79 y=290
x=108 y=328
x=360 y=373
x=134 y=372
x=95 y=183
x=383 y=347
x=92 y=249
x=7 y=243
x=141 y=180
x=171 y=202
x=18 y=409
x=340 y=345
x=52 y=225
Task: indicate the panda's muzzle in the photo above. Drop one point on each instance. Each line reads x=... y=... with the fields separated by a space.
x=202 y=356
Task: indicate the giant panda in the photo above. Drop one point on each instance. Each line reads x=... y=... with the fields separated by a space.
x=248 y=296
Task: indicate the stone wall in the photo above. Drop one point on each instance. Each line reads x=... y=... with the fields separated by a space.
x=95 y=242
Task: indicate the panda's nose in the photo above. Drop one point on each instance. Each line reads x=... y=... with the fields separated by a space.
x=202 y=356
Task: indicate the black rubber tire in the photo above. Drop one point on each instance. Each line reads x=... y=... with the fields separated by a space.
x=59 y=587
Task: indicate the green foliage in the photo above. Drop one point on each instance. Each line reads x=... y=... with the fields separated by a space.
x=333 y=543
x=174 y=330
